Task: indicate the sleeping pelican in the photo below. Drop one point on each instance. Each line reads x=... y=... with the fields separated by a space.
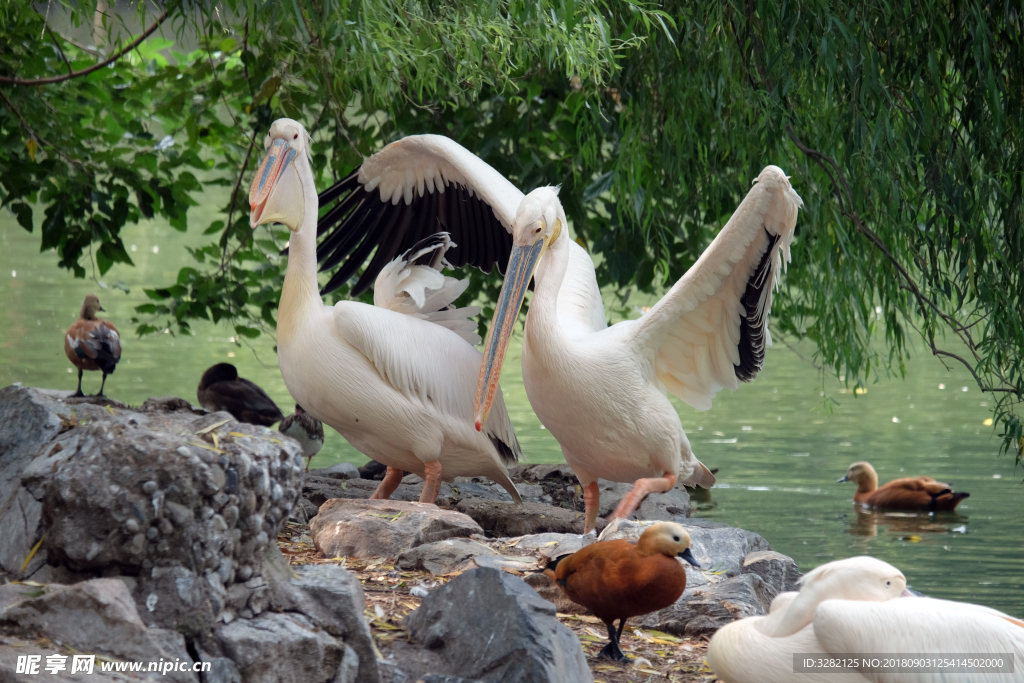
x=850 y=606
x=600 y=390
x=395 y=379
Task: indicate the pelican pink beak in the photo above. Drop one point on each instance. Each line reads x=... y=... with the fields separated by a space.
x=521 y=264
x=279 y=157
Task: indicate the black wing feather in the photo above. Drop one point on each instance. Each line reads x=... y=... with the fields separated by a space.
x=359 y=222
x=752 y=330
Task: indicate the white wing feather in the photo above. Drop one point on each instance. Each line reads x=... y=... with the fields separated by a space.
x=424 y=362
x=425 y=163
x=695 y=330
x=919 y=625
x=423 y=292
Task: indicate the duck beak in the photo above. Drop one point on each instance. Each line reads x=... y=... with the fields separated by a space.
x=266 y=205
x=688 y=556
x=843 y=478
x=103 y=309
x=521 y=264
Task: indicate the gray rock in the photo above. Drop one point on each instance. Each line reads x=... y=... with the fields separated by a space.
x=491 y=626
x=281 y=648
x=341 y=470
x=553 y=545
x=185 y=502
x=779 y=572
x=560 y=485
x=96 y=616
x=550 y=591
x=443 y=557
x=508 y=519
x=706 y=609
x=444 y=678
x=12 y=647
x=383 y=528
x=332 y=599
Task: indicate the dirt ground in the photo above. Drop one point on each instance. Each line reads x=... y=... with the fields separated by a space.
x=654 y=656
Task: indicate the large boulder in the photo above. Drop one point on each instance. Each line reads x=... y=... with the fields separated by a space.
x=383 y=528
x=97 y=616
x=178 y=510
x=491 y=626
x=161 y=496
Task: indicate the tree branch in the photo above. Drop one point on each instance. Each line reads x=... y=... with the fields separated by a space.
x=35 y=136
x=61 y=51
x=84 y=72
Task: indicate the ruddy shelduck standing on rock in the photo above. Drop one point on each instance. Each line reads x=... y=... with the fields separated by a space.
x=92 y=343
x=601 y=391
x=909 y=493
x=861 y=605
x=396 y=379
x=619 y=579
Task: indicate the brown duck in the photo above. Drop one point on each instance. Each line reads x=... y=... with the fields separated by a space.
x=222 y=389
x=909 y=493
x=619 y=580
x=92 y=343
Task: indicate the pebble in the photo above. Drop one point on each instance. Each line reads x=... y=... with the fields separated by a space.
x=149 y=486
x=184 y=452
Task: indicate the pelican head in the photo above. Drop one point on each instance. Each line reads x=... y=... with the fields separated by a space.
x=538 y=223
x=855 y=578
x=277 y=194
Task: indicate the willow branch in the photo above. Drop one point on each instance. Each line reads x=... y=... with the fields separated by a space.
x=84 y=72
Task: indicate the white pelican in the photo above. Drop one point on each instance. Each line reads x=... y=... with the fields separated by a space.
x=600 y=390
x=847 y=608
x=395 y=379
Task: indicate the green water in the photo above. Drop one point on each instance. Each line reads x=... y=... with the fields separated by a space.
x=777 y=451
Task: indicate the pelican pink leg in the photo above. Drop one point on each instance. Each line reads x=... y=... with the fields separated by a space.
x=591 y=505
x=388 y=484
x=432 y=486
x=631 y=501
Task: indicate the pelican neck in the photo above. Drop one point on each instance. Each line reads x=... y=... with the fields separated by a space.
x=548 y=280
x=301 y=290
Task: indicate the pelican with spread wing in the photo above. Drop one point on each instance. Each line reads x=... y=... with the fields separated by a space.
x=600 y=390
x=396 y=379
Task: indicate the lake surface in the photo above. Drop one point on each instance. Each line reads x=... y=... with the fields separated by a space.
x=778 y=451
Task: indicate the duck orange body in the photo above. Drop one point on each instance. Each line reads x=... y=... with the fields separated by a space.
x=92 y=343
x=923 y=494
x=619 y=580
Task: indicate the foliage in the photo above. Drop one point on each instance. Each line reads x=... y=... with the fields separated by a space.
x=900 y=123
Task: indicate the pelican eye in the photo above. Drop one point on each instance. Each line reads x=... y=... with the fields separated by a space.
x=295 y=137
x=888 y=583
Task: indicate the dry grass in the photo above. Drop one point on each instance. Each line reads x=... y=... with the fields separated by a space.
x=655 y=656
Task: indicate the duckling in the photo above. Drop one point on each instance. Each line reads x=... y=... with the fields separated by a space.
x=619 y=580
x=92 y=343
x=222 y=389
x=909 y=493
x=305 y=429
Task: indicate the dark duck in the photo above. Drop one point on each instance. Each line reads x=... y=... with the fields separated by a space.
x=222 y=389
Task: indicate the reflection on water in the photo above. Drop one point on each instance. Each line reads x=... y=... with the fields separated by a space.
x=777 y=449
x=906 y=526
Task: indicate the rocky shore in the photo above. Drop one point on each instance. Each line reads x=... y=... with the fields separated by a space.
x=168 y=533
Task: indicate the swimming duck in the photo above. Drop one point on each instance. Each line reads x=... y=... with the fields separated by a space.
x=222 y=389
x=305 y=429
x=909 y=493
x=851 y=606
x=92 y=343
x=619 y=580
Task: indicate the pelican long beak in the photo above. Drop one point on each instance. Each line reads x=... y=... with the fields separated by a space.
x=271 y=175
x=521 y=265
